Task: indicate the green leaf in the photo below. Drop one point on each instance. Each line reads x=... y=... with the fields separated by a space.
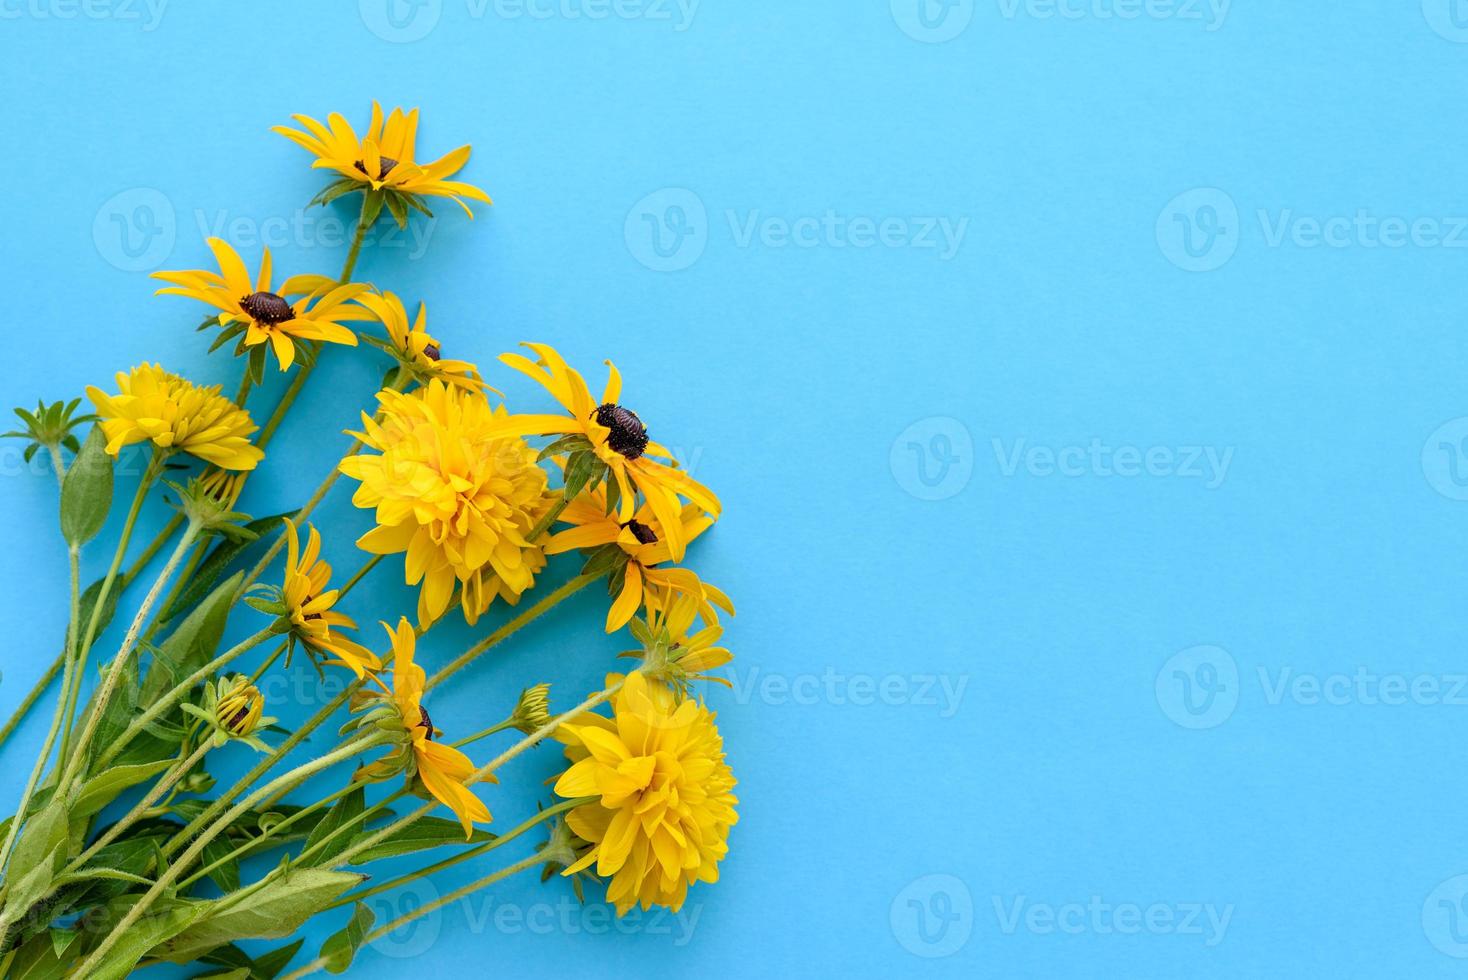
x=398 y=208
x=214 y=566
x=86 y=491
x=268 y=965
x=273 y=912
x=604 y=559
x=227 y=875
x=345 y=812
x=40 y=837
x=371 y=207
x=421 y=835
x=106 y=786
x=579 y=468
x=161 y=924
x=48 y=956
x=192 y=645
x=339 y=950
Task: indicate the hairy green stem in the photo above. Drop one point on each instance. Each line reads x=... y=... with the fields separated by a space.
x=176 y=869
x=169 y=779
x=504 y=632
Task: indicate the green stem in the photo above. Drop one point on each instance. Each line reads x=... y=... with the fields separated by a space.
x=480 y=736
x=356 y=249
x=428 y=909
x=123 y=581
x=244 y=390
x=274 y=830
x=293 y=778
x=261 y=767
x=510 y=628
x=268 y=661
x=462 y=856
x=74 y=554
x=367 y=566
x=155 y=468
x=528 y=742
x=172 y=697
x=115 y=670
x=138 y=812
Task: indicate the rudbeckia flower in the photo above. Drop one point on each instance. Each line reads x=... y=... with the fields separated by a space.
x=443 y=769
x=665 y=798
x=674 y=652
x=617 y=437
x=308 y=605
x=413 y=346
x=382 y=158
x=643 y=540
x=250 y=308
x=176 y=415
x=455 y=493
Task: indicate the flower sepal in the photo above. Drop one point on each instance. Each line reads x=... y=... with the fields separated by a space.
x=50 y=427
x=235 y=710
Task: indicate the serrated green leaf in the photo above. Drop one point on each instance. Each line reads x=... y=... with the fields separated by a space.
x=343 y=813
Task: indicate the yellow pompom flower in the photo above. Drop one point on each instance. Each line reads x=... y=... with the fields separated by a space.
x=455 y=492
x=443 y=769
x=413 y=346
x=268 y=316
x=384 y=157
x=619 y=439
x=644 y=542
x=308 y=605
x=176 y=415
x=665 y=799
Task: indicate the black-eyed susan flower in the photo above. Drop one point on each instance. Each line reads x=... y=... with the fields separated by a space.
x=678 y=649
x=455 y=493
x=636 y=553
x=665 y=799
x=382 y=159
x=176 y=415
x=250 y=310
x=413 y=347
x=234 y=708
x=442 y=770
x=304 y=605
x=617 y=439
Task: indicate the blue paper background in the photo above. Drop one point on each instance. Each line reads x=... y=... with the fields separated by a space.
x=962 y=725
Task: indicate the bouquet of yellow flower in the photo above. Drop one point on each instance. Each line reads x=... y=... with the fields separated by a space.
x=123 y=850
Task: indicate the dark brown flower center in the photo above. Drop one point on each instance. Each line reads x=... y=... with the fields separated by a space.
x=267 y=308
x=642 y=532
x=386 y=165
x=431 y=352
x=427 y=722
x=628 y=435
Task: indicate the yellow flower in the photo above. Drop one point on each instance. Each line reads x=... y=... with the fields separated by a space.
x=453 y=491
x=176 y=414
x=644 y=541
x=265 y=315
x=665 y=798
x=309 y=603
x=685 y=654
x=443 y=769
x=384 y=157
x=414 y=347
x=241 y=707
x=619 y=439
